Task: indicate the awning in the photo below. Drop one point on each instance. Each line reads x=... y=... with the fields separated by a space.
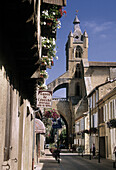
x=39 y=126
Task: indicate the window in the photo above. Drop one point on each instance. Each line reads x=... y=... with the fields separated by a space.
x=96 y=96
x=90 y=102
x=77 y=127
x=100 y=113
x=91 y=120
x=77 y=89
x=112 y=109
x=87 y=123
x=82 y=124
x=95 y=120
x=106 y=111
x=94 y=100
x=78 y=52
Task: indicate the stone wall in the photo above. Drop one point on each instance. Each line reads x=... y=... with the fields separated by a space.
x=16 y=135
x=3 y=107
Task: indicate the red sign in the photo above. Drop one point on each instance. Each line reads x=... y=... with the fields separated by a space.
x=44 y=99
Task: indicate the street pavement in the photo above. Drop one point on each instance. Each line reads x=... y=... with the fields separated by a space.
x=71 y=161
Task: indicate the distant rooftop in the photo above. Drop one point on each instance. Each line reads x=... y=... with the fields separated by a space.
x=101 y=64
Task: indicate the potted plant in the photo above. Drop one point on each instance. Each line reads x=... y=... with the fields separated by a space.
x=43 y=74
x=86 y=131
x=93 y=130
x=112 y=123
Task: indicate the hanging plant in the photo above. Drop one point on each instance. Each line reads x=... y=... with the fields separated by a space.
x=79 y=133
x=86 y=131
x=40 y=83
x=52 y=114
x=93 y=130
x=48 y=43
x=50 y=16
x=43 y=74
x=112 y=123
x=43 y=87
x=48 y=46
x=49 y=49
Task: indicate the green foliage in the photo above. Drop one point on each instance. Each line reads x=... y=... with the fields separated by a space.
x=63 y=137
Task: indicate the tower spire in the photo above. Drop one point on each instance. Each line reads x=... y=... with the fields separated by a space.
x=77 y=31
x=76 y=20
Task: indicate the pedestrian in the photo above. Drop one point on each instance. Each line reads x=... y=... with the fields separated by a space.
x=115 y=152
x=93 y=150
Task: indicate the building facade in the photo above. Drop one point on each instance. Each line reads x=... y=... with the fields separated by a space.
x=107 y=124
x=22 y=74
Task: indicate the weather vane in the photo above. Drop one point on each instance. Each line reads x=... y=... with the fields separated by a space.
x=77 y=11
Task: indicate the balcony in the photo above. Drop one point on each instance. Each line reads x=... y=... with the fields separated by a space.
x=56 y=2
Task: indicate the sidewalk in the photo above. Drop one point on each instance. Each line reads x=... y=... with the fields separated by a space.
x=48 y=156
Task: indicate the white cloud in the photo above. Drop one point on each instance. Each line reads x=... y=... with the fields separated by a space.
x=98 y=27
x=103 y=35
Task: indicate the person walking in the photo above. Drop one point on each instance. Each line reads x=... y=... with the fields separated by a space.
x=115 y=152
x=93 y=150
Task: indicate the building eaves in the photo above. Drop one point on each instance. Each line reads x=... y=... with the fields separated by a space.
x=102 y=64
x=55 y=2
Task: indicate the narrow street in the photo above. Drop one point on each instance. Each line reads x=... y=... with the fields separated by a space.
x=71 y=161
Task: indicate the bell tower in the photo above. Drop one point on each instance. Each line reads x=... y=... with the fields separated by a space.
x=76 y=57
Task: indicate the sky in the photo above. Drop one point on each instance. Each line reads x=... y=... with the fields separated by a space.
x=98 y=18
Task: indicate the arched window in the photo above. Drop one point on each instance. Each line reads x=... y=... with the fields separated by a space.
x=78 y=53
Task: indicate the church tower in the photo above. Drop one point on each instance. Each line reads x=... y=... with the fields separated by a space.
x=76 y=58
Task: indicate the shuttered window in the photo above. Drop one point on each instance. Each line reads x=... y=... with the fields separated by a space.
x=113 y=109
x=110 y=109
x=94 y=100
x=82 y=124
x=95 y=120
x=106 y=111
x=101 y=115
x=77 y=127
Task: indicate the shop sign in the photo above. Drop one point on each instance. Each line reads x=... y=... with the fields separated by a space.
x=44 y=99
